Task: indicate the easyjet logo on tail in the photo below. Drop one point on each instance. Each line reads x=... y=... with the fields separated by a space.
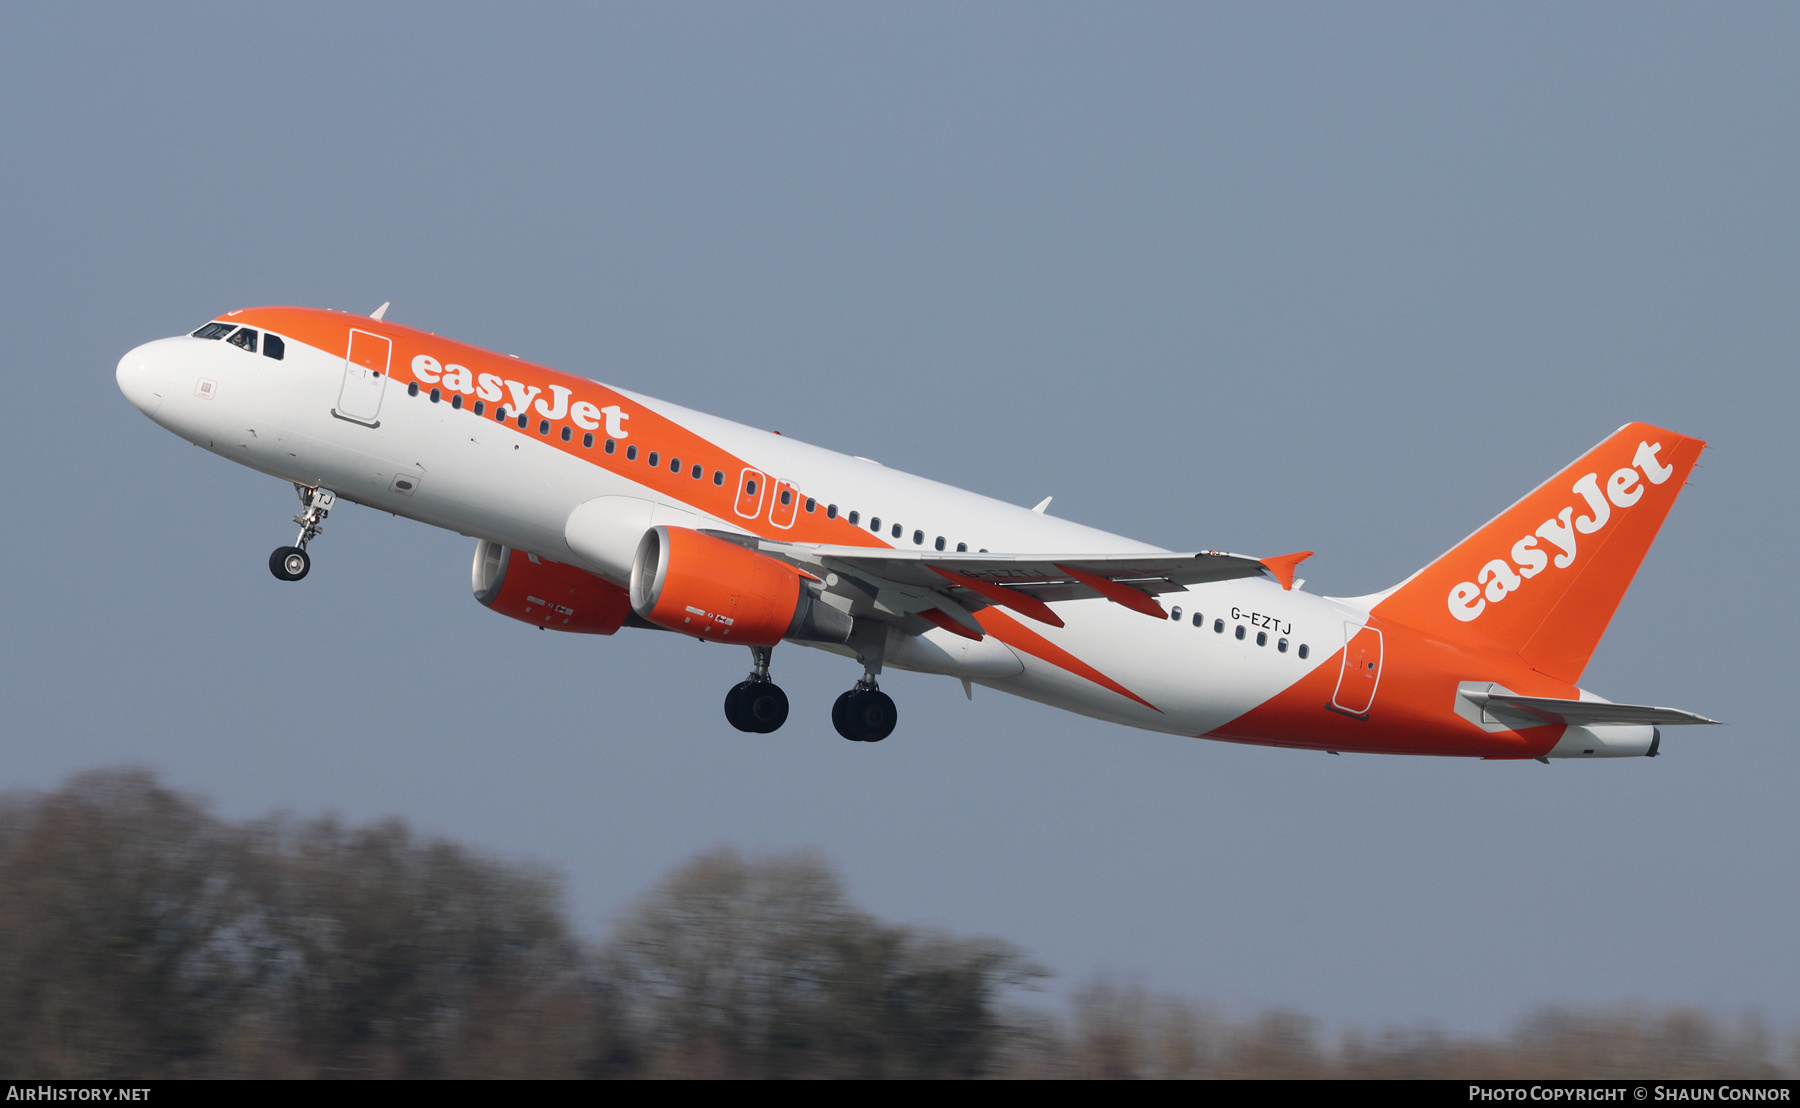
x=1500 y=578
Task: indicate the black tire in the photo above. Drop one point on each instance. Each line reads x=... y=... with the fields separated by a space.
x=840 y=715
x=765 y=707
x=289 y=563
x=868 y=715
x=734 y=707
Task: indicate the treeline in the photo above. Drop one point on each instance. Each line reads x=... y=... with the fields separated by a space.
x=141 y=936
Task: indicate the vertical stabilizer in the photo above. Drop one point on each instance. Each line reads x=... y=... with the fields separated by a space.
x=1543 y=578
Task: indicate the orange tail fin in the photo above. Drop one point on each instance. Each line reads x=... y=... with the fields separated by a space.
x=1543 y=578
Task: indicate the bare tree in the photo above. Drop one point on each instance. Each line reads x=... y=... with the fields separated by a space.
x=761 y=968
x=140 y=937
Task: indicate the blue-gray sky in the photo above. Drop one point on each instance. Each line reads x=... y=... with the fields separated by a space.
x=1265 y=277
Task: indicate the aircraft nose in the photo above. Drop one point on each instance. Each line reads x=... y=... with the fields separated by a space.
x=143 y=377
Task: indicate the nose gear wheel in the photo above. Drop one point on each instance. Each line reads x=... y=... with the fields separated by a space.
x=290 y=563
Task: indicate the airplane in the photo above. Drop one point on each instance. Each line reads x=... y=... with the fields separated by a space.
x=594 y=508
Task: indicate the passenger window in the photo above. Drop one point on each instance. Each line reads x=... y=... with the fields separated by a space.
x=436 y=395
x=1199 y=621
x=719 y=477
x=918 y=538
x=1240 y=632
x=631 y=453
x=587 y=440
x=962 y=548
x=787 y=497
x=273 y=347
x=852 y=518
x=1304 y=650
x=568 y=432
x=480 y=407
x=412 y=388
x=749 y=486
x=831 y=511
x=1219 y=626
x=611 y=446
x=244 y=339
x=456 y=401
x=810 y=504
x=674 y=465
x=214 y=331
x=1281 y=645
x=940 y=542
x=543 y=427
x=1175 y=613
x=699 y=471
x=896 y=531
x=524 y=420
x=875 y=524
x=500 y=414
x=1262 y=638
x=654 y=459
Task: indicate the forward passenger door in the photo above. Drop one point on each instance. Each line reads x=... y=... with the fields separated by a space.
x=365 y=378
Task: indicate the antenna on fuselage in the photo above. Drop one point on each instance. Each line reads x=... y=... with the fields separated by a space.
x=1042 y=504
x=381 y=311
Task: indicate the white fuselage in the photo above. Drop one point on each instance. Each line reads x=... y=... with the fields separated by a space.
x=498 y=482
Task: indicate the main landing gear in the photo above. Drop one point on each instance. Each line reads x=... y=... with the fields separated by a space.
x=757 y=704
x=865 y=714
x=290 y=563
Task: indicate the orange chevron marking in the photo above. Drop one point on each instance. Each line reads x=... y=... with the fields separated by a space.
x=1016 y=635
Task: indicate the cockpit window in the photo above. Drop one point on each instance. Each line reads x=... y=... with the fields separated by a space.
x=214 y=331
x=245 y=338
x=273 y=347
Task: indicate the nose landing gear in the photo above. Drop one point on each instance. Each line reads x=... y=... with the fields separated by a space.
x=757 y=704
x=291 y=563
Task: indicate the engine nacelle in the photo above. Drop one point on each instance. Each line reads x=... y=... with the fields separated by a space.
x=545 y=593
x=711 y=589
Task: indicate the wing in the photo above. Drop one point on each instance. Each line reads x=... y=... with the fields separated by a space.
x=945 y=589
x=1580 y=713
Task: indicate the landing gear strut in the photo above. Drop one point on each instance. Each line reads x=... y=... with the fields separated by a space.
x=757 y=704
x=290 y=563
x=865 y=714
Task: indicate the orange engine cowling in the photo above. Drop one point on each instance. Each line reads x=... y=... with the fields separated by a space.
x=545 y=593
x=711 y=589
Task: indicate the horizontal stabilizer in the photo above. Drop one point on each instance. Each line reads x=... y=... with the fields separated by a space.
x=1580 y=713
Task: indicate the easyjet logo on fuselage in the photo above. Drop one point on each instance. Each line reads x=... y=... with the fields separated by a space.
x=496 y=389
x=1500 y=578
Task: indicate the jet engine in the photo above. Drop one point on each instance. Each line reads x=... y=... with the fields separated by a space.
x=711 y=589
x=545 y=593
